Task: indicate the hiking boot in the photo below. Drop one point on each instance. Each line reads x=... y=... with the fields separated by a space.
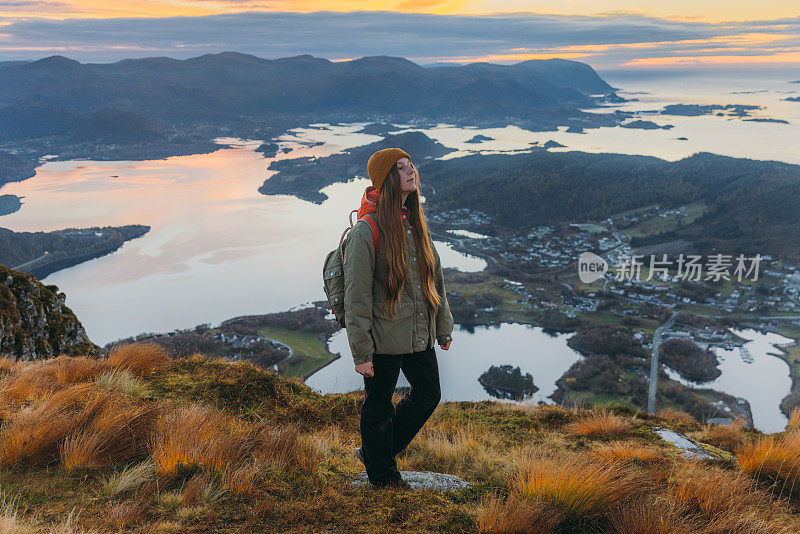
x=396 y=483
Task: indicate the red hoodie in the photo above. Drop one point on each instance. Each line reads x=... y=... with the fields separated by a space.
x=369 y=203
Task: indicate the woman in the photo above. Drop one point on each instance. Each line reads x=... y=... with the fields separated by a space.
x=395 y=309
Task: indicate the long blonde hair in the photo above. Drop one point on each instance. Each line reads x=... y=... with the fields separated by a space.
x=388 y=214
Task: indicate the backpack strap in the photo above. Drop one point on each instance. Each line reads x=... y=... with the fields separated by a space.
x=374 y=225
x=371 y=222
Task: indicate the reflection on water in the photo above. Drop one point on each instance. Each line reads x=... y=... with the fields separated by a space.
x=544 y=356
x=763 y=383
x=720 y=135
x=458 y=260
x=216 y=249
x=467 y=233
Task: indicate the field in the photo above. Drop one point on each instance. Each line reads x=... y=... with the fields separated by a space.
x=309 y=351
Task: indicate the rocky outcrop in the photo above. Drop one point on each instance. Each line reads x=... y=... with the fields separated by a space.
x=34 y=321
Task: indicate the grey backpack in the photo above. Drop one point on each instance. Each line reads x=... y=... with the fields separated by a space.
x=333 y=270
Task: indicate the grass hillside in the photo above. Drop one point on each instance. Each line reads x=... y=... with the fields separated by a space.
x=141 y=442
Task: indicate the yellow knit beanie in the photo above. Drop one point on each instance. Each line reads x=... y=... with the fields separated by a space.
x=381 y=162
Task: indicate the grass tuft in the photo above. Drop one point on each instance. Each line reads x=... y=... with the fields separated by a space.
x=601 y=423
x=123 y=381
x=128 y=479
x=140 y=358
x=727 y=437
x=581 y=488
x=517 y=514
x=679 y=417
x=794 y=419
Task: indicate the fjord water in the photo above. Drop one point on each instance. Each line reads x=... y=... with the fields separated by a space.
x=546 y=357
x=764 y=382
x=218 y=249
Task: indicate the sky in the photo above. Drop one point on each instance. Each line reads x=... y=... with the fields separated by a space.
x=608 y=34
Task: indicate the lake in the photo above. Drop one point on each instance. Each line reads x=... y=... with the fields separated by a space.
x=546 y=357
x=763 y=383
x=216 y=249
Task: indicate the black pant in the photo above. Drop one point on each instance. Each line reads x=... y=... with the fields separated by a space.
x=387 y=429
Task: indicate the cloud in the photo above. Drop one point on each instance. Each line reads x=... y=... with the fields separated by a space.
x=602 y=41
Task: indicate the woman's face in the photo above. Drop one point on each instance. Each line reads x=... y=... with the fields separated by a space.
x=408 y=175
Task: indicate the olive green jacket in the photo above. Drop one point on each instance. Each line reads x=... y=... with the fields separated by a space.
x=415 y=326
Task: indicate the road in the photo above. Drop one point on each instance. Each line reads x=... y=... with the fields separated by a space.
x=275 y=341
x=22 y=266
x=651 y=394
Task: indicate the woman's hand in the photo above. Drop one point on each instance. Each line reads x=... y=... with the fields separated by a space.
x=446 y=346
x=365 y=369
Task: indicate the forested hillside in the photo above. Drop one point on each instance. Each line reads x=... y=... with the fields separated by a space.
x=751 y=206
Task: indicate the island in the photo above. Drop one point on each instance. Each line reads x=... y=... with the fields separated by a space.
x=691 y=361
x=304 y=177
x=695 y=110
x=645 y=125
x=479 y=139
x=507 y=382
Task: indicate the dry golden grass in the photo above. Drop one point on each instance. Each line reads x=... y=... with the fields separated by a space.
x=33 y=434
x=651 y=517
x=166 y=461
x=794 y=419
x=728 y=437
x=717 y=493
x=190 y=494
x=31 y=382
x=600 y=423
x=140 y=358
x=581 y=488
x=517 y=514
x=70 y=370
x=748 y=523
x=547 y=414
x=38 y=379
x=119 y=433
x=331 y=442
x=9 y=366
x=200 y=436
x=86 y=427
x=468 y=450
x=121 y=514
x=676 y=416
x=776 y=458
x=627 y=451
x=242 y=479
x=184 y=434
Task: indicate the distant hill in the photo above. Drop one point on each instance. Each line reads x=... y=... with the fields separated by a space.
x=38 y=119
x=233 y=86
x=34 y=321
x=751 y=205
